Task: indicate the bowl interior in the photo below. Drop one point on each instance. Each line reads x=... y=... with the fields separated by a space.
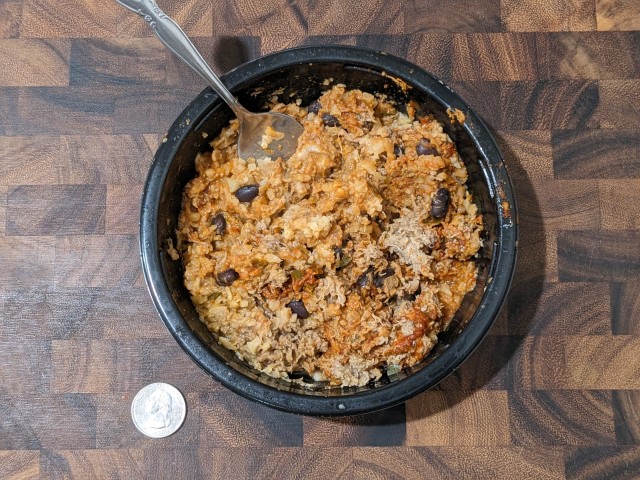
x=306 y=81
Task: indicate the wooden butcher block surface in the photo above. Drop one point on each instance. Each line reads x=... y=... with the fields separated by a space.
x=86 y=93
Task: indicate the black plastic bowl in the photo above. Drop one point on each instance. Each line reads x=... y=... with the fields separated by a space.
x=301 y=73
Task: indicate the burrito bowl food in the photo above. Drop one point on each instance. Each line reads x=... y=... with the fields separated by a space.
x=342 y=263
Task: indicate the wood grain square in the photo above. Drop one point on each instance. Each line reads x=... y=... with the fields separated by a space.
x=351 y=17
x=312 y=463
x=625 y=308
x=140 y=361
x=246 y=17
x=618 y=204
x=3 y=208
x=610 y=256
x=461 y=16
x=501 y=324
x=619 y=103
x=384 y=428
x=561 y=417
x=81 y=366
x=102 y=463
x=537 y=256
x=271 y=43
x=392 y=44
x=497 y=56
x=115 y=429
x=549 y=16
x=79 y=314
x=561 y=204
x=10 y=18
x=626 y=409
x=26 y=261
x=8 y=107
x=538 y=250
x=129 y=158
x=68 y=19
x=29 y=305
x=459 y=462
x=121 y=313
x=458 y=418
x=151 y=109
x=171 y=363
x=30 y=160
x=488 y=367
x=594 y=55
x=592 y=463
x=540 y=363
x=601 y=153
x=222 y=53
x=29 y=63
x=20 y=465
x=527 y=153
x=483 y=97
x=561 y=309
x=96 y=261
x=86 y=111
x=36 y=422
x=194 y=17
x=313 y=40
x=229 y=420
x=547 y=105
x=56 y=210
x=617 y=15
x=589 y=362
x=102 y=313
x=123 y=209
x=134 y=364
x=181 y=462
x=25 y=364
x=118 y=61
x=433 y=52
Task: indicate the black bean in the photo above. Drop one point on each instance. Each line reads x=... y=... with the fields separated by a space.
x=247 y=193
x=227 y=277
x=297 y=307
x=378 y=279
x=398 y=150
x=425 y=147
x=330 y=120
x=363 y=280
x=440 y=203
x=301 y=375
x=390 y=255
x=220 y=223
x=314 y=107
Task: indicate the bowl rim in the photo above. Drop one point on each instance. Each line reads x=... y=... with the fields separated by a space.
x=380 y=397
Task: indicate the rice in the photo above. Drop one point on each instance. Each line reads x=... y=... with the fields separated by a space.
x=343 y=261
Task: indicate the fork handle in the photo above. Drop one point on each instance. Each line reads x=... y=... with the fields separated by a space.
x=178 y=42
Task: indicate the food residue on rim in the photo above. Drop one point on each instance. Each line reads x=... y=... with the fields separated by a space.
x=456 y=115
x=506 y=207
x=404 y=86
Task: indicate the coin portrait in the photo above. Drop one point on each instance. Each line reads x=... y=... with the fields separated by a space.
x=158 y=410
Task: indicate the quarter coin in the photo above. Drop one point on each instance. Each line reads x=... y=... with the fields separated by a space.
x=158 y=410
